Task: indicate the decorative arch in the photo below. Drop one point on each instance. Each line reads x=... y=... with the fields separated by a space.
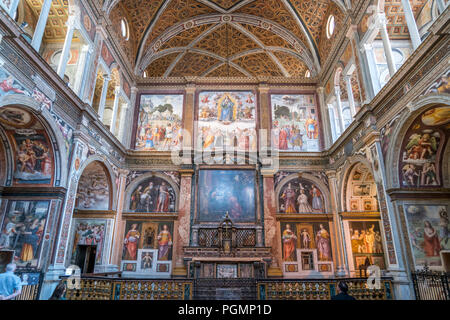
x=416 y=108
x=94 y=186
x=132 y=190
x=360 y=190
x=308 y=178
x=57 y=141
x=143 y=60
x=351 y=162
x=109 y=174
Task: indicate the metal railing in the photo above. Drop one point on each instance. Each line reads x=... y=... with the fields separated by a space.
x=431 y=285
x=104 y=288
x=322 y=289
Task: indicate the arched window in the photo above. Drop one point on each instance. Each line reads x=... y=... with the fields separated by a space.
x=330 y=26
x=308 y=74
x=124 y=29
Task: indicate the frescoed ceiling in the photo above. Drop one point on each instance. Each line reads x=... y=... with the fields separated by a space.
x=171 y=38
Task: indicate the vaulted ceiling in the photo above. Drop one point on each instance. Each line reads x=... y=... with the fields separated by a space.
x=220 y=38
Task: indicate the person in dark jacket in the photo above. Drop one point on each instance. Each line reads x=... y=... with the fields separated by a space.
x=343 y=292
x=59 y=292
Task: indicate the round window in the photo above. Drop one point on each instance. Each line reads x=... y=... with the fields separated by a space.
x=330 y=26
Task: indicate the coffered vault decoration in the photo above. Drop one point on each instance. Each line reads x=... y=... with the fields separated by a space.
x=225 y=38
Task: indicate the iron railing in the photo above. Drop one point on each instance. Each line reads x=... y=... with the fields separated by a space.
x=322 y=289
x=431 y=285
x=104 y=288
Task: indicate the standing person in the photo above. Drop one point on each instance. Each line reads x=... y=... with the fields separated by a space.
x=10 y=284
x=342 y=289
x=59 y=292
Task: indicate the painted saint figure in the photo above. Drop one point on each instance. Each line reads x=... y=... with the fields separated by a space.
x=306 y=239
x=431 y=245
x=303 y=204
x=316 y=198
x=289 y=199
x=323 y=244
x=226 y=112
x=164 y=243
x=163 y=198
x=131 y=242
x=289 y=240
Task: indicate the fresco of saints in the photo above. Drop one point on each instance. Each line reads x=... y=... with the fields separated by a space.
x=443 y=224
x=289 y=239
x=131 y=243
x=226 y=110
x=316 y=198
x=289 y=199
x=164 y=243
x=163 y=198
x=369 y=240
x=30 y=241
x=311 y=128
x=431 y=244
x=148 y=198
x=303 y=204
x=323 y=244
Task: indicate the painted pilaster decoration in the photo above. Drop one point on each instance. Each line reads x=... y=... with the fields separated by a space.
x=341 y=268
x=325 y=115
x=351 y=99
x=188 y=116
x=68 y=210
x=386 y=209
x=101 y=107
x=118 y=221
x=412 y=25
x=40 y=26
x=271 y=225
x=182 y=225
x=265 y=113
x=337 y=94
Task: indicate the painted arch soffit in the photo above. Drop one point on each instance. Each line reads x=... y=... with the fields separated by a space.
x=237 y=23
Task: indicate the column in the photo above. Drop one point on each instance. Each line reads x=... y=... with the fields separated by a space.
x=40 y=26
x=128 y=139
x=337 y=93
x=67 y=44
x=341 y=269
x=332 y=118
x=271 y=225
x=112 y=127
x=182 y=224
x=86 y=73
x=123 y=122
x=101 y=106
x=441 y=6
x=381 y=20
x=81 y=69
x=412 y=26
x=367 y=49
x=326 y=122
x=351 y=99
